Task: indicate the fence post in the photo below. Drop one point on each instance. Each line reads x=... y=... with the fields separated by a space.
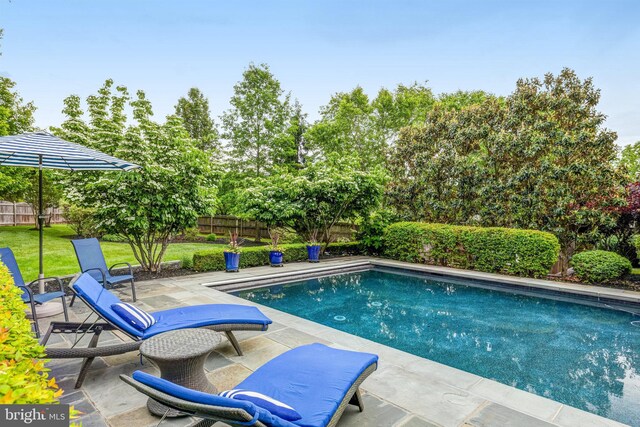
x=211 y=224
x=14 y=214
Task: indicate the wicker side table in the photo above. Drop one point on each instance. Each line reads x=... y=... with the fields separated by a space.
x=180 y=356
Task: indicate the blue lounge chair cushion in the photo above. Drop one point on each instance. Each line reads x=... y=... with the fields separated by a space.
x=272 y=405
x=190 y=395
x=195 y=316
x=313 y=379
x=135 y=316
x=101 y=301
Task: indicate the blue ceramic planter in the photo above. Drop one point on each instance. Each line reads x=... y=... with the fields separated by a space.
x=232 y=261
x=313 y=251
x=275 y=258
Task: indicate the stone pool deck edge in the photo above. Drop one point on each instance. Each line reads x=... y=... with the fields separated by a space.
x=438 y=393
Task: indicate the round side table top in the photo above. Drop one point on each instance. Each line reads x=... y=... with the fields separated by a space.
x=180 y=344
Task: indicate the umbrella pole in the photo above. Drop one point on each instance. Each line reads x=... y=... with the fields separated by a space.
x=40 y=226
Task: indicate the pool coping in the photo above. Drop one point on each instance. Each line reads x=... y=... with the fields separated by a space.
x=448 y=385
x=353 y=263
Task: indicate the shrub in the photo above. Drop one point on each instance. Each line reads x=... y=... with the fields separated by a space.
x=211 y=237
x=290 y=236
x=600 y=266
x=213 y=259
x=490 y=249
x=82 y=221
x=371 y=229
x=23 y=376
x=186 y=262
x=191 y=233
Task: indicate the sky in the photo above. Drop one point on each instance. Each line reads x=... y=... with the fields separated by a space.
x=55 y=48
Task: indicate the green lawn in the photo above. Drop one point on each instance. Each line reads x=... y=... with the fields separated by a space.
x=59 y=257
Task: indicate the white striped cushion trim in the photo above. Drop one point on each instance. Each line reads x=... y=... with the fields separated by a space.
x=231 y=393
x=144 y=318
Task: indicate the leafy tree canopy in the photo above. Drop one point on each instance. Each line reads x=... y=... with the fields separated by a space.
x=16 y=117
x=256 y=126
x=314 y=199
x=148 y=206
x=196 y=117
x=630 y=161
x=533 y=160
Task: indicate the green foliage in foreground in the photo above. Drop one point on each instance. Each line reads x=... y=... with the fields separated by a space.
x=59 y=257
x=213 y=260
x=23 y=375
x=600 y=266
x=491 y=249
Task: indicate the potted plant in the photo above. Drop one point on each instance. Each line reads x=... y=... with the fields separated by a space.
x=275 y=253
x=232 y=254
x=313 y=247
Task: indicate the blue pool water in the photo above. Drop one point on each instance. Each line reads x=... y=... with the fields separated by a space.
x=583 y=356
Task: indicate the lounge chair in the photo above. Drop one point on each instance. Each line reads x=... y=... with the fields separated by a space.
x=91 y=260
x=218 y=317
x=7 y=257
x=317 y=381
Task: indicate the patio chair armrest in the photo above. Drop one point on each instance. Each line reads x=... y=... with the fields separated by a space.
x=49 y=279
x=102 y=272
x=29 y=291
x=122 y=263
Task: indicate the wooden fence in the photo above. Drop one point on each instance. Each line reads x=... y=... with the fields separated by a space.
x=22 y=214
x=221 y=225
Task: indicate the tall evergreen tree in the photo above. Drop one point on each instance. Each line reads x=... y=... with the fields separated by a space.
x=196 y=116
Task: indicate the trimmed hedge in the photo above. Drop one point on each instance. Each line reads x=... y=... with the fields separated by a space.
x=600 y=266
x=23 y=376
x=213 y=259
x=491 y=249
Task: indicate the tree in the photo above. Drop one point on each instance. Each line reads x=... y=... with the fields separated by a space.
x=297 y=127
x=346 y=129
x=314 y=199
x=256 y=125
x=195 y=114
x=51 y=192
x=437 y=167
x=148 y=206
x=16 y=117
x=630 y=160
x=351 y=124
x=536 y=159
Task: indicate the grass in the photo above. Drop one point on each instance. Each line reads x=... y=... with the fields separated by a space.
x=59 y=257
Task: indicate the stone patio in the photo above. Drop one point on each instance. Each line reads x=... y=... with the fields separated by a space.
x=405 y=391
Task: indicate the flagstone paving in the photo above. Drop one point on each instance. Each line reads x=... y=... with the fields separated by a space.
x=406 y=390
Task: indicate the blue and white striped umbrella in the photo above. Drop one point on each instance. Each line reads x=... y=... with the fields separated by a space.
x=43 y=150
x=29 y=149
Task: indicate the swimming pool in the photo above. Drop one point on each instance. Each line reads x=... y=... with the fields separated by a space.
x=581 y=355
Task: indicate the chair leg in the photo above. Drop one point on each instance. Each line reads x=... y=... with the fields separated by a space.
x=133 y=290
x=234 y=342
x=34 y=317
x=86 y=363
x=64 y=308
x=73 y=299
x=356 y=400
